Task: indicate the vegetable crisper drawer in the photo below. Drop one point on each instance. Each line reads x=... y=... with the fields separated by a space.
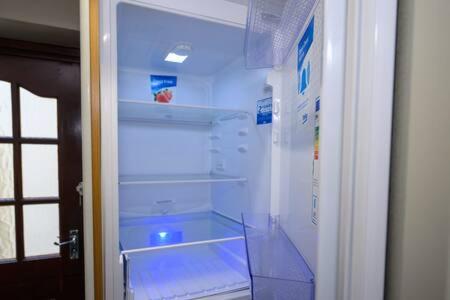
x=182 y=257
x=189 y=272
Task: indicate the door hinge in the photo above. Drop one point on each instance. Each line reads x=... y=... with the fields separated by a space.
x=79 y=189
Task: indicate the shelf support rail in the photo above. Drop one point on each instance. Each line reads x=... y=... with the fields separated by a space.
x=149 y=249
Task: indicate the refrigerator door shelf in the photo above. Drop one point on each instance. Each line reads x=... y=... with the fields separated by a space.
x=277 y=269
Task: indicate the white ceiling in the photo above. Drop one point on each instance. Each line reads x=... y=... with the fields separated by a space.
x=32 y=32
x=54 y=22
x=145 y=36
x=55 y=13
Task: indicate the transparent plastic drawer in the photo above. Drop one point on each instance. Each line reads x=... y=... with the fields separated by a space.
x=277 y=269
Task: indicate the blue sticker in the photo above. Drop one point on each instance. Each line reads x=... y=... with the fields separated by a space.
x=304 y=71
x=264 y=111
x=163 y=87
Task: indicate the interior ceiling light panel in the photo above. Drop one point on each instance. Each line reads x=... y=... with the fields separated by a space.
x=179 y=53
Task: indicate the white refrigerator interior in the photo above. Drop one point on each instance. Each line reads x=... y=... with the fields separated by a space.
x=218 y=152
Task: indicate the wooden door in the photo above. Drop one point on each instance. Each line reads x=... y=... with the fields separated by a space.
x=40 y=169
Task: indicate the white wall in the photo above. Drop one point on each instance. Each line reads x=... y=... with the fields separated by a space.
x=55 y=22
x=55 y=13
x=239 y=88
x=149 y=149
x=419 y=230
x=192 y=90
x=175 y=149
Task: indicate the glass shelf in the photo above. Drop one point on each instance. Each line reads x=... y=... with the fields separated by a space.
x=177 y=178
x=146 y=111
x=277 y=269
x=163 y=231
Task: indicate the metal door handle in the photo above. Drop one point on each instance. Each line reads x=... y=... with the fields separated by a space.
x=74 y=244
x=72 y=240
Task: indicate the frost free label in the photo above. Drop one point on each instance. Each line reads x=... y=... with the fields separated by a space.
x=163 y=88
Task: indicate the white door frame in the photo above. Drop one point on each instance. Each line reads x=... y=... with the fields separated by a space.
x=88 y=224
x=370 y=64
x=331 y=131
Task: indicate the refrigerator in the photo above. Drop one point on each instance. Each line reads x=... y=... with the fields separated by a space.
x=218 y=149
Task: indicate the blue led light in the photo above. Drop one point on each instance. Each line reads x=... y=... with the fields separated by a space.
x=165 y=237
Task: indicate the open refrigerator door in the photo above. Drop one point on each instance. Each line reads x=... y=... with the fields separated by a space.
x=282 y=246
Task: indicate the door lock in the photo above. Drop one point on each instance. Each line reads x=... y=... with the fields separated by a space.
x=73 y=242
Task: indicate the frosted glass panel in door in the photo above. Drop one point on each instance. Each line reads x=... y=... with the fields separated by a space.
x=40 y=229
x=7 y=233
x=6 y=172
x=38 y=116
x=40 y=171
x=5 y=109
